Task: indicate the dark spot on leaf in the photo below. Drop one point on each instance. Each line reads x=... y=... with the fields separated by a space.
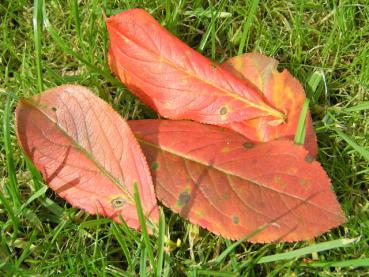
x=118 y=202
x=248 y=145
x=155 y=166
x=223 y=111
x=309 y=159
x=226 y=196
x=54 y=109
x=235 y=219
x=183 y=199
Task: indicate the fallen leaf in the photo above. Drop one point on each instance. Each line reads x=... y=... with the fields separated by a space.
x=175 y=80
x=86 y=153
x=221 y=181
x=282 y=91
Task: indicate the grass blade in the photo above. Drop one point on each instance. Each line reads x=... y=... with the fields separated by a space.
x=319 y=247
x=11 y=214
x=12 y=178
x=301 y=126
x=232 y=255
x=206 y=36
x=313 y=85
x=230 y=248
x=33 y=197
x=360 y=107
x=211 y=30
x=160 y=244
x=26 y=250
x=9 y=94
x=77 y=21
x=361 y=150
x=168 y=13
x=347 y=263
x=203 y=272
x=143 y=262
x=122 y=242
x=246 y=27
x=38 y=182
x=37 y=33
x=145 y=234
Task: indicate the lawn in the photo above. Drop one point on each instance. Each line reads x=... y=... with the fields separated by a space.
x=322 y=43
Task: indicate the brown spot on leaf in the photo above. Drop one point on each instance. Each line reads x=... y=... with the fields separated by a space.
x=183 y=199
x=223 y=110
x=309 y=159
x=235 y=219
x=118 y=202
x=248 y=145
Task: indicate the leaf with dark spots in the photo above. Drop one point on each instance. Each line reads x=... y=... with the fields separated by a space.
x=86 y=152
x=183 y=199
x=281 y=90
x=175 y=80
x=207 y=175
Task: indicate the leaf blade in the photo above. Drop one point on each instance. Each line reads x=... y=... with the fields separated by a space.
x=68 y=132
x=217 y=179
x=155 y=65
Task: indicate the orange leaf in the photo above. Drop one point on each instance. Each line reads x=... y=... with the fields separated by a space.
x=221 y=181
x=175 y=80
x=283 y=92
x=86 y=152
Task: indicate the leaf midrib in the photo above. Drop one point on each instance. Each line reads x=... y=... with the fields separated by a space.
x=183 y=156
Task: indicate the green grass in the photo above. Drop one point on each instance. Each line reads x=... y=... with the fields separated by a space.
x=322 y=43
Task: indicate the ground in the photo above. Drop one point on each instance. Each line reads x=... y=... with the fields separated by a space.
x=322 y=43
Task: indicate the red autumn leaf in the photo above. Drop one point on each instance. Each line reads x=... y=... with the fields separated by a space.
x=281 y=90
x=219 y=180
x=174 y=79
x=86 y=153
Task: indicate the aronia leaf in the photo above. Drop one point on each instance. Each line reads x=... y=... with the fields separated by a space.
x=86 y=153
x=281 y=90
x=175 y=80
x=223 y=182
